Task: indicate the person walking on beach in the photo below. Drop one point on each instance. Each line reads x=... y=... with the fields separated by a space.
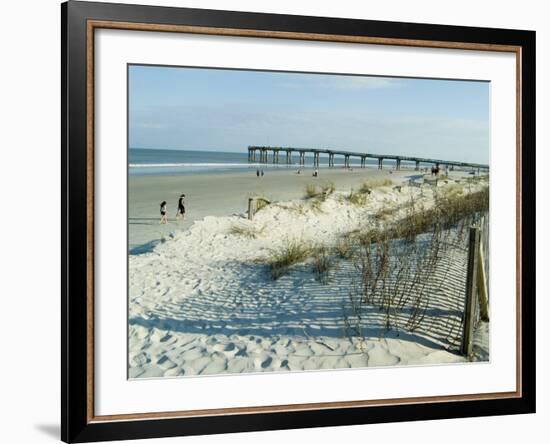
x=262 y=173
x=163 y=215
x=257 y=173
x=180 y=213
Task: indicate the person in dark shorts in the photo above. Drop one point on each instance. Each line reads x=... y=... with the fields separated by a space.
x=163 y=214
x=180 y=213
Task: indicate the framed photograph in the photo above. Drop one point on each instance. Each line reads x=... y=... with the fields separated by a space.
x=275 y=221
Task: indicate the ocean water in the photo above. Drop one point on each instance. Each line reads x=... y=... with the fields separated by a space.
x=167 y=162
x=160 y=162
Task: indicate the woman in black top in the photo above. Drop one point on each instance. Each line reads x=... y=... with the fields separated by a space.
x=181 y=208
x=163 y=215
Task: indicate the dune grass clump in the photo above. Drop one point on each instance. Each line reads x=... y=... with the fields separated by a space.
x=328 y=188
x=319 y=191
x=357 y=198
x=453 y=208
x=250 y=232
x=292 y=252
x=369 y=185
x=322 y=264
x=343 y=248
x=312 y=191
x=316 y=206
x=365 y=188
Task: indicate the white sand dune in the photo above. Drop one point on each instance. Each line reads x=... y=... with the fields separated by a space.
x=202 y=302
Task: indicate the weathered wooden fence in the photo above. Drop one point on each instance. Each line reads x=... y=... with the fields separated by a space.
x=476 y=306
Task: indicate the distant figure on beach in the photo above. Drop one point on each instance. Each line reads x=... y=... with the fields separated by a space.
x=316 y=173
x=262 y=173
x=299 y=172
x=163 y=215
x=180 y=212
x=257 y=173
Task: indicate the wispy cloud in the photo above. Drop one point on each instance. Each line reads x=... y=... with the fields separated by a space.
x=358 y=83
x=345 y=83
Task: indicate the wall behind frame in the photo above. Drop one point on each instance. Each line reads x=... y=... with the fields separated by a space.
x=30 y=206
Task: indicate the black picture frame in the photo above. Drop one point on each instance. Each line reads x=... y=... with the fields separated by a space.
x=76 y=423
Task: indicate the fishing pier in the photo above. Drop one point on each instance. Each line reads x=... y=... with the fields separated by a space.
x=284 y=155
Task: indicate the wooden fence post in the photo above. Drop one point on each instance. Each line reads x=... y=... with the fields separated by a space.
x=250 y=208
x=482 y=288
x=471 y=287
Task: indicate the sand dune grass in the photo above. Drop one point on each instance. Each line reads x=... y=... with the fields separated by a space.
x=249 y=231
x=291 y=252
x=357 y=198
x=322 y=264
x=321 y=191
x=360 y=196
x=449 y=210
x=368 y=185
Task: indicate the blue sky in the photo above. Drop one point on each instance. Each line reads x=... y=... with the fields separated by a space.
x=228 y=110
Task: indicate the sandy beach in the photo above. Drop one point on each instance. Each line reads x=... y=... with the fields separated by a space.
x=215 y=194
x=202 y=301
